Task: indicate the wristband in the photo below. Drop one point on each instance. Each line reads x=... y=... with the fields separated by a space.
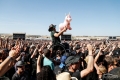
x=10 y=58
x=90 y=55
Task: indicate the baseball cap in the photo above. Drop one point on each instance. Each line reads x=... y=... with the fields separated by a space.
x=72 y=59
x=20 y=63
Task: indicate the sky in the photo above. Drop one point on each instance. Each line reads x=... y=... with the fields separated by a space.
x=89 y=17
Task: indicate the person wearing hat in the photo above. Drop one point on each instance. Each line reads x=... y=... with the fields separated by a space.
x=20 y=74
x=55 y=35
x=73 y=64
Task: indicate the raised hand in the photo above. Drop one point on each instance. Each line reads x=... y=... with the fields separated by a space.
x=41 y=49
x=65 y=28
x=114 y=47
x=90 y=48
x=14 y=52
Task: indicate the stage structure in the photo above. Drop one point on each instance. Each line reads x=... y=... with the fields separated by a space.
x=112 y=38
x=66 y=37
x=19 y=35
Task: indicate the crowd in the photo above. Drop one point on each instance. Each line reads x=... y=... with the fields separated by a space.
x=59 y=60
x=79 y=60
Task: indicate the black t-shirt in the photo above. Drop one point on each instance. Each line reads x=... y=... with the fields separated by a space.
x=75 y=74
x=55 y=40
x=33 y=64
x=24 y=76
x=10 y=73
x=92 y=76
x=45 y=76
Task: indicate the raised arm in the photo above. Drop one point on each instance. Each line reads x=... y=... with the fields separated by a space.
x=113 y=48
x=90 y=62
x=60 y=33
x=35 y=51
x=96 y=58
x=39 y=63
x=7 y=63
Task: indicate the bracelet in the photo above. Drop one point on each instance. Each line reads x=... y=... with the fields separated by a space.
x=90 y=55
x=10 y=58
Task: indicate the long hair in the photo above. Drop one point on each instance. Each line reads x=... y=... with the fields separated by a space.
x=46 y=74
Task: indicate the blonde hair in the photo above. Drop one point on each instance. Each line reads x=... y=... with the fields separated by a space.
x=86 y=59
x=102 y=69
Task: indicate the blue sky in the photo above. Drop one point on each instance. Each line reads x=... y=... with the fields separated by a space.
x=89 y=17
